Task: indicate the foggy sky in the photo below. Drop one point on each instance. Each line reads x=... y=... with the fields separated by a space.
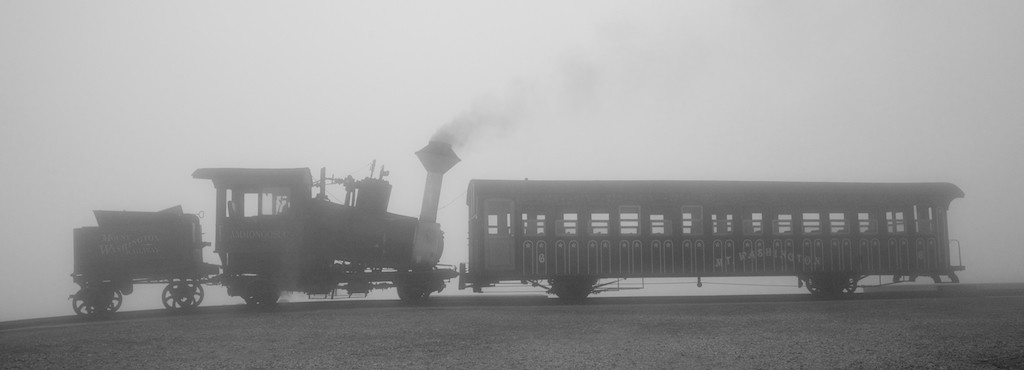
x=112 y=105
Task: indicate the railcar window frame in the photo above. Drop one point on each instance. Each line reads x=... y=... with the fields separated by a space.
x=568 y=226
x=498 y=220
x=658 y=224
x=895 y=222
x=692 y=220
x=599 y=224
x=866 y=224
x=722 y=223
x=837 y=223
x=534 y=224
x=783 y=220
x=629 y=220
x=810 y=223
x=924 y=219
x=754 y=225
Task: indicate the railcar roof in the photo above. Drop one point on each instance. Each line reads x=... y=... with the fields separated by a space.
x=249 y=176
x=725 y=191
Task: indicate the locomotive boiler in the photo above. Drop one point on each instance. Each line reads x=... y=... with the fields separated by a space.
x=274 y=235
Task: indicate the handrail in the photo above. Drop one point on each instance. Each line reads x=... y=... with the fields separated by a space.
x=959 y=254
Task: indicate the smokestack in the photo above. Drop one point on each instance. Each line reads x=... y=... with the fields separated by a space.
x=437 y=158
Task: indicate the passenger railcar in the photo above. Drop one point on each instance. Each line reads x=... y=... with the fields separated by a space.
x=567 y=236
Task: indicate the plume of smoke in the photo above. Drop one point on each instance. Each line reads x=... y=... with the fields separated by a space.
x=491 y=114
x=624 y=68
x=571 y=87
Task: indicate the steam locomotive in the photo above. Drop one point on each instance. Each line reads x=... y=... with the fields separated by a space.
x=570 y=238
x=272 y=235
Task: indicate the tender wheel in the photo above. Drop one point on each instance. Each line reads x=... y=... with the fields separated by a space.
x=261 y=293
x=182 y=295
x=89 y=301
x=572 y=289
x=115 y=301
x=82 y=303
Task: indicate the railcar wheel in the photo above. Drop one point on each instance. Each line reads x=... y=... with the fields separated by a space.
x=261 y=293
x=848 y=285
x=831 y=286
x=572 y=289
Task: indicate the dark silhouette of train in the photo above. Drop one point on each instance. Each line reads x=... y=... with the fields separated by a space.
x=272 y=235
x=571 y=238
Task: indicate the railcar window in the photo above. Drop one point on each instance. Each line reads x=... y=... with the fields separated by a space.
x=866 y=224
x=568 y=225
x=629 y=220
x=533 y=225
x=895 y=223
x=492 y=224
x=812 y=223
x=924 y=219
x=599 y=223
x=499 y=224
x=692 y=216
x=721 y=224
x=659 y=226
x=783 y=224
x=755 y=225
x=838 y=224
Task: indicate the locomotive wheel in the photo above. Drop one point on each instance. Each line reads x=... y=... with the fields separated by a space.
x=198 y=293
x=261 y=293
x=182 y=295
x=413 y=293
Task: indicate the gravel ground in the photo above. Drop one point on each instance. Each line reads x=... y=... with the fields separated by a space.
x=934 y=333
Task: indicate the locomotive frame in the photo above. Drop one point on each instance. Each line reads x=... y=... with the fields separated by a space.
x=573 y=234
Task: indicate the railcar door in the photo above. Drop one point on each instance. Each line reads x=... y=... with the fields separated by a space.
x=498 y=237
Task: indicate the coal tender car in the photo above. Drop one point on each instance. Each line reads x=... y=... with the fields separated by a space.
x=575 y=238
x=274 y=235
x=128 y=248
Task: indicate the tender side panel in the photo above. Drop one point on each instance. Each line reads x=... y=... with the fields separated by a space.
x=139 y=245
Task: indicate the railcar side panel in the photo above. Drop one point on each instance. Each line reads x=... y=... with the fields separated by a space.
x=675 y=232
